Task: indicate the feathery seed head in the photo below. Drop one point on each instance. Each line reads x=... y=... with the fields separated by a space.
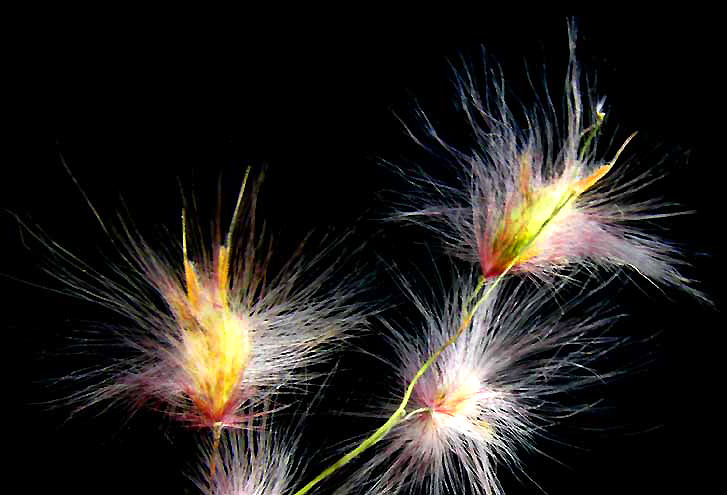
x=530 y=216
x=257 y=460
x=489 y=395
x=536 y=198
x=215 y=339
x=229 y=334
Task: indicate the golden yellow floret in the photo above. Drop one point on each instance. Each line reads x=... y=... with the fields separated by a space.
x=216 y=352
x=515 y=240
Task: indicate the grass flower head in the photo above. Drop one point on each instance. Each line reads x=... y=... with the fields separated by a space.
x=488 y=396
x=213 y=334
x=259 y=460
x=535 y=197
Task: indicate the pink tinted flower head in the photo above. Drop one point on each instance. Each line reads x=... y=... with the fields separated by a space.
x=536 y=197
x=259 y=460
x=213 y=333
x=489 y=396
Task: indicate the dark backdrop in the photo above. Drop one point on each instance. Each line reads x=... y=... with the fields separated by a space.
x=136 y=108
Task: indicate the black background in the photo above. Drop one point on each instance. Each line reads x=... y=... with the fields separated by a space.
x=137 y=106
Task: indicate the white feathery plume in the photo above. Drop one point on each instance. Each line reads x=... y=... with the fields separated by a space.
x=259 y=460
x=536 y=195
x=212 y=333
x=489 y=395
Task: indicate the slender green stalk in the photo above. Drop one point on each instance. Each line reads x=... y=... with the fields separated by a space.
x=216 y=435
x=592 y=133
x=413 y=413
x=477 y=290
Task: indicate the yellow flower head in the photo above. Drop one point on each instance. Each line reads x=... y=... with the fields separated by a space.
x=229 y=335
x=535 y=196
x=529 y=215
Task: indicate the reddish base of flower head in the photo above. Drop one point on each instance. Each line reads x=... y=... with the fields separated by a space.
x=205 y=415
x=491 y=263
x=490 y=270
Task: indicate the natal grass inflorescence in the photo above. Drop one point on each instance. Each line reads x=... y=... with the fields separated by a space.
x=212 y=334
x=536 y=198
x=536 y=192
x=215 y=325
x=261 y=459
x=492 y=393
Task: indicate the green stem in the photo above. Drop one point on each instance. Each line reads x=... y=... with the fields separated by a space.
x=415 y=412
x=592 y=133
x=477 y=290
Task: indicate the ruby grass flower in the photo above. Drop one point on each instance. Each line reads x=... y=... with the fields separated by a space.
x=489 y=395
x=536 y=196
x=211 y=332
x=260 y=460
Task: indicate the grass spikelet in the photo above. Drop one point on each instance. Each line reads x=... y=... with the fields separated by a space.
x=536 y=192
x=258 y=460
x=490 y=395
x=212 y=333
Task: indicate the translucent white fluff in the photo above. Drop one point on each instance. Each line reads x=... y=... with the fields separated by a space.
x=212 y=330
x=261 y=460
x=537 y=190
x=490 y=395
